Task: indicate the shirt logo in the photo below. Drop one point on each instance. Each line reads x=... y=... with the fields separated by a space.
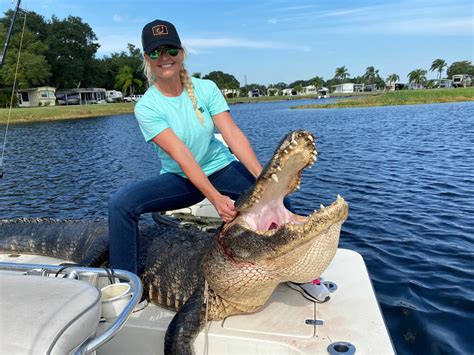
x=201 y=109
x=159 y=30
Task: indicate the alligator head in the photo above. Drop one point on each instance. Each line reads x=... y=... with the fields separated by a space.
x=266 y=243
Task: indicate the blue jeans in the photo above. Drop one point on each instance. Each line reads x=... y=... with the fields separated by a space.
x=161 y=193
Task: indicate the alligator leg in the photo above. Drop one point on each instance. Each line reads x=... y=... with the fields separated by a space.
x=186 y=325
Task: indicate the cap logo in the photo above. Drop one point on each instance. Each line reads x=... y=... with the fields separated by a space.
x=159 y=30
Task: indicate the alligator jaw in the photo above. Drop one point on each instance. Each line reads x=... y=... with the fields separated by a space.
x=261 y=208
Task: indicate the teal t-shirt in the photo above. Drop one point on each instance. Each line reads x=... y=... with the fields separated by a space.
x=156 y=112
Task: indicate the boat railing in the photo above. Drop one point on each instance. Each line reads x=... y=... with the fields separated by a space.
x=75 y=272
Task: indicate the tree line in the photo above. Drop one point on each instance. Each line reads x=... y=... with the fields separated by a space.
x=62 y=53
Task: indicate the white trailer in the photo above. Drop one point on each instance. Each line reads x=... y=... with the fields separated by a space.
x=462 y=80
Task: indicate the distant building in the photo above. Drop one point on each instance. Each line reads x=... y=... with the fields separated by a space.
x=445 y=83
x=308 y=90
x=273 y=92
x=371 y=87
x=415 y=86
x=462 y=80
x=81 y=96
x=288 y=92
x=230 y=93
x=347 y=88
x=254 y=93
x=323 y=93
x=40 y=96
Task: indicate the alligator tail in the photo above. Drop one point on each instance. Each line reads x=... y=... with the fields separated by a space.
x=82 y=242
x=186 y=325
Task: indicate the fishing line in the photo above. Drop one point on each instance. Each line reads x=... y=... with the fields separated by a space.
x=13 y=93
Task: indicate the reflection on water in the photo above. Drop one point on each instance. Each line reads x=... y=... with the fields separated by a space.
x=407 y=173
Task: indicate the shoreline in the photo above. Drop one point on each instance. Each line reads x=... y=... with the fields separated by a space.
x=400 y=98
x=405 y=97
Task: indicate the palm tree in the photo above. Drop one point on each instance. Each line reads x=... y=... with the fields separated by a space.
x=439 y=65
x=417 y=77
x=370 y=74
x=126 y=80
x=392 y=79
x=341 y=73
x=318 y=82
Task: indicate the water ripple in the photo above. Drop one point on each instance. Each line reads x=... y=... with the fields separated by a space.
x=407 y=173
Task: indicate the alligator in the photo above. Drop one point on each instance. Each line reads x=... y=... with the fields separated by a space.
x=209 y=276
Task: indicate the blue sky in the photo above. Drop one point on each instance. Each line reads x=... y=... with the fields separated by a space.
x=269 y=41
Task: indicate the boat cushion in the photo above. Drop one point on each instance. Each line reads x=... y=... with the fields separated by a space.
x=43 y=315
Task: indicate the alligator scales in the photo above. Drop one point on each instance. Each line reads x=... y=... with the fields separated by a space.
x=242 y=263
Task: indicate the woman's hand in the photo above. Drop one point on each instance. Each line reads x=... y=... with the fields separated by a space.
x=225 y=207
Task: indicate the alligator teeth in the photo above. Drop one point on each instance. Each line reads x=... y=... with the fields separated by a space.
x=321 y=206
x=311 y=138
x=278 y=168
x=298 y=187
x=294 y=142
x=338 y=196
x=274 y=178
x=285 y=151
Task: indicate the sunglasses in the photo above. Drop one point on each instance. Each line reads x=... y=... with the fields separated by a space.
x=156 y=54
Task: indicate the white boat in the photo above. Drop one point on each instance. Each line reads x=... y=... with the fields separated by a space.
x=350 y=322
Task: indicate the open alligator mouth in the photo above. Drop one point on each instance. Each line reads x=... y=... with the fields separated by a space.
x=261 y=208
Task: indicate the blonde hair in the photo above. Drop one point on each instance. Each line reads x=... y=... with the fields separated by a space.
x=185 y=80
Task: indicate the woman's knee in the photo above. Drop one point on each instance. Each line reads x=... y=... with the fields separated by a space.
x=121 y=202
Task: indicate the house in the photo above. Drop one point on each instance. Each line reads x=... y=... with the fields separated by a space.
x=81 y=96
x=445 y=83
x=40 y=96
x=273 y=92
x=371 y=87
x=230 y=93
x=347 y=88
x=288 y=92
x=253 y=93
x=308 y=90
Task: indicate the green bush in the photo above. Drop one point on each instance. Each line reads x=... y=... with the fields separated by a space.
x=5 y=97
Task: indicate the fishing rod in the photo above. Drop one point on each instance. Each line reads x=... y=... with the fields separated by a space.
x=9 y=34
x=2 y=60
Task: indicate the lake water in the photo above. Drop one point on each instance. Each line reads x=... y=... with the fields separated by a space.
x=407 y=173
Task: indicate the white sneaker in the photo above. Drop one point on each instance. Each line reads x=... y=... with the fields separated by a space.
x=140 y=305
x=314 y=291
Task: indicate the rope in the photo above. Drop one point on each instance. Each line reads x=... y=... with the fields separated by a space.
x=12 y=96
x=206 y=326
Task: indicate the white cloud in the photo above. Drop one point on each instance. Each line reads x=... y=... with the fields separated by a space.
x=196 y=45
x=118 y=18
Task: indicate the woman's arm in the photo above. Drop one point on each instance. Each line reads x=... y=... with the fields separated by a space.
x=237 y=142
x=178 y=151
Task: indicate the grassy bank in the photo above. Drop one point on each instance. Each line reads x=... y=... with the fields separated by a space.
x=55 y=113
x=403 y=97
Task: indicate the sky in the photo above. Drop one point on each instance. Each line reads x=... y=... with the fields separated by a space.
x=271 y=41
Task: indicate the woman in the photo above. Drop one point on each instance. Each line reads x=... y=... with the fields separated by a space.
x=178 y=115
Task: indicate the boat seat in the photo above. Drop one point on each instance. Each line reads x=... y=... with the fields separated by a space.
x=46 y=315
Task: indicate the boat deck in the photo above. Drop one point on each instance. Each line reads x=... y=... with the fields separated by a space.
x=287 y=324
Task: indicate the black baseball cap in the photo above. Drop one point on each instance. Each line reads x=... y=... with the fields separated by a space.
x=159 y=33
